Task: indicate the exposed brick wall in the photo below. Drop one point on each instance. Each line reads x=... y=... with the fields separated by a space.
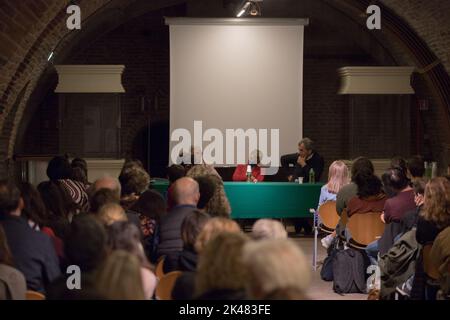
x=29 y=30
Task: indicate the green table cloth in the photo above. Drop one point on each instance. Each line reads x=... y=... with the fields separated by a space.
x=266 y=199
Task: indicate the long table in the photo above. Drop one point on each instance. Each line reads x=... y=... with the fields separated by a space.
x=266 y=199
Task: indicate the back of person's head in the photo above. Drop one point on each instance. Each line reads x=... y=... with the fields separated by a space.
x=132 y=163
x=274 y=264
x=150 y=204
x=85 y=245
x=418 y=186
x=437 y=202
x=416 y=166
x=399 y=162
x=57 y=201
x=395 y=179
x=79 y=170
x=102 y=197
x=220 y=264
x=33 y=207
x=110 y=213
x=185 y=191
x=9 y=197
x=106 y=183
x=191 y=227
x=5 y=253
x=337 y=176
x=175 y=172
x=59 y=168
x=134 y=181
x=368 y=185
x=207 y=187
x=124 y=235
x=362 y=165
x=213 y=227
x=119 y=278
x=268 y=229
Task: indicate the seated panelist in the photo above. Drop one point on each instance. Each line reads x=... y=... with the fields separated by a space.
x=240 y=173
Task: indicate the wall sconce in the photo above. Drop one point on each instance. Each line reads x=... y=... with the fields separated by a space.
x=252 y=8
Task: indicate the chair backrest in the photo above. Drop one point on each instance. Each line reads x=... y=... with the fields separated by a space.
x=365 y=228
x=165 y=285
x=159 y=270
x=430 y=269
x=34 y=295
x=328 y=215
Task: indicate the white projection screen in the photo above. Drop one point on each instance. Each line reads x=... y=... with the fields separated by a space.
x=237 y=73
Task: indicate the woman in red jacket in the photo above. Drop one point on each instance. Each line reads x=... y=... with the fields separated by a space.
x=240 y=173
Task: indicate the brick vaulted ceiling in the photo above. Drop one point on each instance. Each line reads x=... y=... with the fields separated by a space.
x=30 y=30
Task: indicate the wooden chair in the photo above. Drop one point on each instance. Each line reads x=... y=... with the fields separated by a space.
x=166 y=284
x=430 y=269
x=159 y=270
x=34 y=295
x=329 y=217
x=364 y=228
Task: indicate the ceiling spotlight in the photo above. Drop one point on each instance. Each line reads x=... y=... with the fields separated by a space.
x=250 y=7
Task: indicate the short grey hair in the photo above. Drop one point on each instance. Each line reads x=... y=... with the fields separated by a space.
x=308 y=143
x=268 y=229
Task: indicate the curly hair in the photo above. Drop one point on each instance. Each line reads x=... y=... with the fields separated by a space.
x=437 y=202
x=134 y=180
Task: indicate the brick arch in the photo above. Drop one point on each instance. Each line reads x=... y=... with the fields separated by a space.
x=31 y=29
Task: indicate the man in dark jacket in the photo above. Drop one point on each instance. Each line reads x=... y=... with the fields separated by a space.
x=305 y=161
x=185 y=196
x=33 y=251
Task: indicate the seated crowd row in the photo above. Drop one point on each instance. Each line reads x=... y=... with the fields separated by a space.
x=415 y=213
x=114 y=231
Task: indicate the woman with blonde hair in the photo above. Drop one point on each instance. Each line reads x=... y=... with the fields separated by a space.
x=220 y=271
x=268 y=229
x=275 y=264
x=337 y=178
x=213 y=227
x=120 y=277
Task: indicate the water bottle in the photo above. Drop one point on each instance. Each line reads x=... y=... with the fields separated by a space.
x=433 y=169
x=249 y=173
x=312 y=176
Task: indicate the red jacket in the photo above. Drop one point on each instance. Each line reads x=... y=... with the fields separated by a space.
x=240 y=174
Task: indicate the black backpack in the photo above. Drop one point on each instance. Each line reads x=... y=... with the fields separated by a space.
x=326 y=272
x=349 y=271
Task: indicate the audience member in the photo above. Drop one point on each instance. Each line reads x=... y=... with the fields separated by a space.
x=416 y=167
x=110 y=213
x=120 y=277
x=35 y=212
x=264 y=229
x=212 y=228
x=186 y=260
x=175 y=172
x=85 y=247
x=134 y=181
x=33 y=252
x=12 y=282
x=60 y=171
x=274 y=264
x=221 y=274
x=207 y=188
x=125 y=236
x=151 y=208
x=80 y=171
x=185 y=196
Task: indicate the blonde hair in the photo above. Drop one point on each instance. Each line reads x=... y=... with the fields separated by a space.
x=220 y=264
x=273 y=265
x=337 y=176
x=120 y=277
x=437 y=202
x=110 y=213
x=213 y=227
x=268 y=229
